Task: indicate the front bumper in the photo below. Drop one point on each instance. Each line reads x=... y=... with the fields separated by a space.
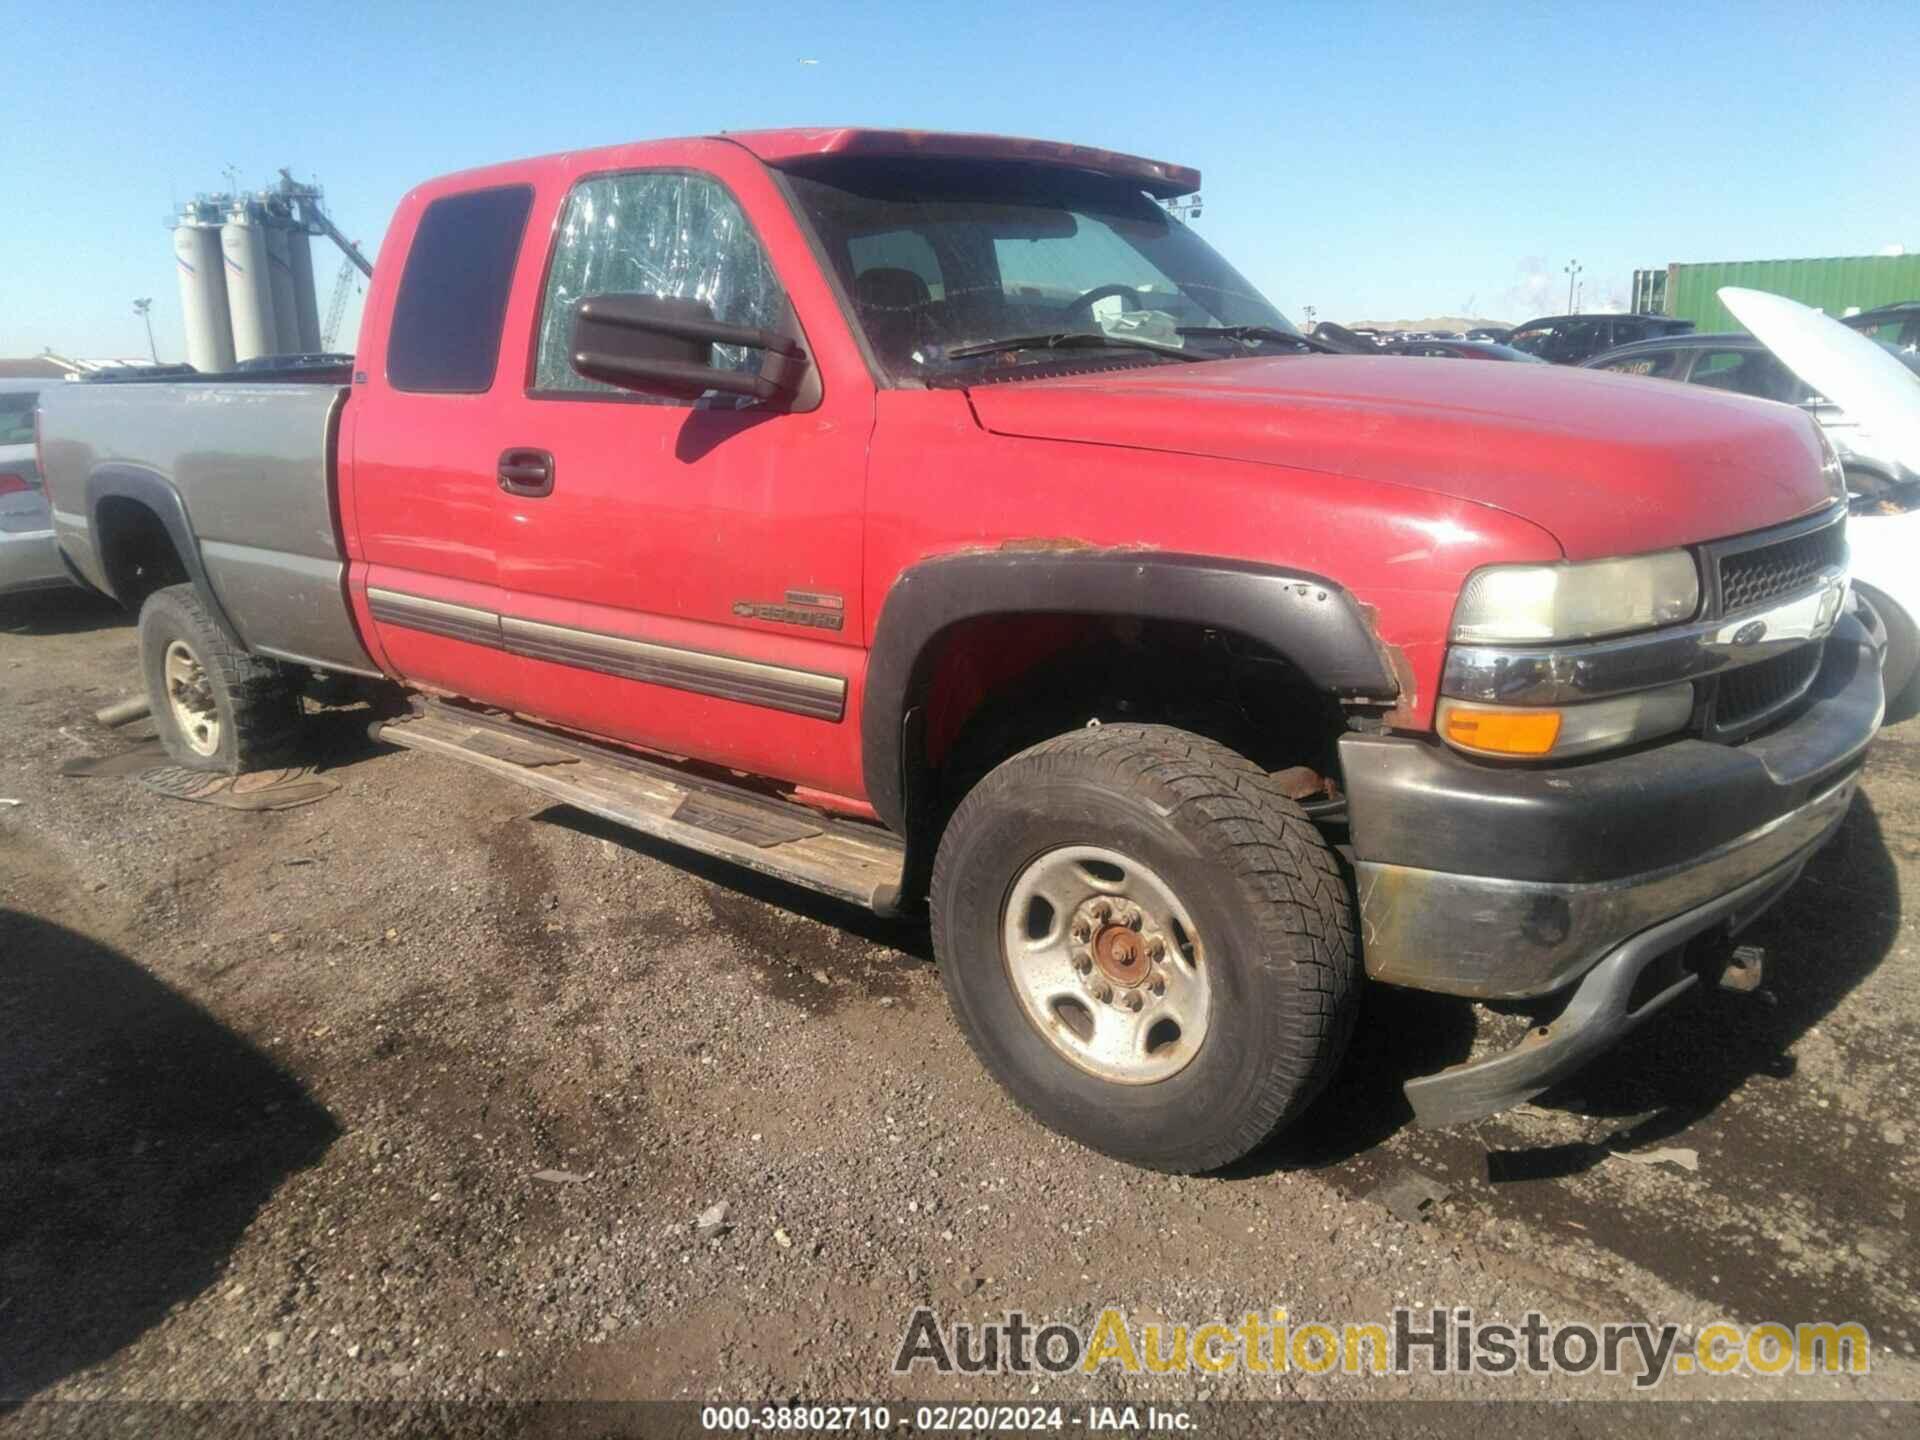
x=1507 y=882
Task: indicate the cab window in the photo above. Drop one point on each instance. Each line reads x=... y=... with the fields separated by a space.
x=665 y=233
x=445 y=337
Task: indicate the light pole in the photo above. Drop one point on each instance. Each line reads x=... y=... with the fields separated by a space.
x=1572 y=268
x=1309 y=312
x=143 y=309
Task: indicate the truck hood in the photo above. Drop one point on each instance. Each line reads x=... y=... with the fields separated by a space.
x=1608 y=464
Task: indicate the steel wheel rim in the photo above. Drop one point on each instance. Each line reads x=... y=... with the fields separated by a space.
x=1107 y=964
x=190 y=699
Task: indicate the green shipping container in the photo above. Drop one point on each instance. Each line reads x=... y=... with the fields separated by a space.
x=1835 y=285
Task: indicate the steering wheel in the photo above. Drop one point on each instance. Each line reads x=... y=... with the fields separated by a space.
x=1101 y=292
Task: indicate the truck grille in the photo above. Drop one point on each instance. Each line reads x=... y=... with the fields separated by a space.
x=1749 y=573
x=1749 y=578
x=1752 y=691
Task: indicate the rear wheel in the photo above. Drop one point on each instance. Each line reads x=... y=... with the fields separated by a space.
x=215 y=706
x=1147 y=944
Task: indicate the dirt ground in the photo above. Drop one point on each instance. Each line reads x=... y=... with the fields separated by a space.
x=283 y=1098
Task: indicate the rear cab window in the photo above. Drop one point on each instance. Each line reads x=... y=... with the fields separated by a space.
x=452 y=302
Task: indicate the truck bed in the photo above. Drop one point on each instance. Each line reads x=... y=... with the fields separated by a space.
x=251 y=464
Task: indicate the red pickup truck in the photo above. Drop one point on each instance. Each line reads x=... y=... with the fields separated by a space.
x=935 y=519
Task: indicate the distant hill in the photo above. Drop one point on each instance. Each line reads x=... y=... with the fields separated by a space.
x=1437 y=322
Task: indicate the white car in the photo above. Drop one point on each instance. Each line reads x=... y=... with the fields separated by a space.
x=1881 y=396
x=28 y=559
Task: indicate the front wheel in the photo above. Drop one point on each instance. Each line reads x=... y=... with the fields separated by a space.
x=1147 y=944
x=215 y=706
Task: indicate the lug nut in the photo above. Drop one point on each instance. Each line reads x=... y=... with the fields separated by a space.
x=1134 y=920
x=1082 y=932
x=1133 y=1001
x=1103 y=993
x=1101 y=912
x=1156 y=948
x=1083 y=963
x=1158 y=985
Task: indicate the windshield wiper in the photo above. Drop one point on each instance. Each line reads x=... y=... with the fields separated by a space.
x=1256 y=332
x=1068 y=340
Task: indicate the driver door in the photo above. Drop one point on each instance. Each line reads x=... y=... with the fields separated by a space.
x=687 y=576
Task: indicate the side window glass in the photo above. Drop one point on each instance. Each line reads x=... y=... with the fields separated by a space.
x=1773 y=381
x=1746 y=372
x=453 y=293
x=659 y=233
x=1581 y=338
x=1717 y=368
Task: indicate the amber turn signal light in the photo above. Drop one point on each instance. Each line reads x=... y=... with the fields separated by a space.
x=1502 y=732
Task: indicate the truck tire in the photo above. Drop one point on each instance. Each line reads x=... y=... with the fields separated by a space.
x=215 y=706
x=1146 y=944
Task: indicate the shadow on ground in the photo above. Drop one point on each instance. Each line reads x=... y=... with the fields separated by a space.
x=1827 y=934
x=59 y=612
x=140 y=1137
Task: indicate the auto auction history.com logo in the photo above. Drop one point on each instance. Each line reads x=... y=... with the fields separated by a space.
x=1437 y=1341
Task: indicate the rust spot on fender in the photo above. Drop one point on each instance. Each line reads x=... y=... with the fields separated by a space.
x=1405 y=712
x=1047 y=544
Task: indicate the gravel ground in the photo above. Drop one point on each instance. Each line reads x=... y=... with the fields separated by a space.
x=418 y=1092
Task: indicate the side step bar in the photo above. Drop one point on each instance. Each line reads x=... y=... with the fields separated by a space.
x=855 y=862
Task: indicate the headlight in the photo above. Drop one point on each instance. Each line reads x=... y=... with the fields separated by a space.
x=1537 y=732
x=1576 y=602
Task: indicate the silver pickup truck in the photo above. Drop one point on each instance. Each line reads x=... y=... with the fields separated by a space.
x=225 y=483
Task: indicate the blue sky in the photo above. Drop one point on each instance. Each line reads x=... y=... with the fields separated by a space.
x=1371 y=160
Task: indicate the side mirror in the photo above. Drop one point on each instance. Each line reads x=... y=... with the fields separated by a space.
x=659 y=345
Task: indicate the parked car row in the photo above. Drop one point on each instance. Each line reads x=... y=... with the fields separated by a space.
x=1495 y=333
x=1458 y=350
x=29 y=559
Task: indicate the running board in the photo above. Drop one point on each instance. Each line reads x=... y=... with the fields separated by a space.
x=855 y=862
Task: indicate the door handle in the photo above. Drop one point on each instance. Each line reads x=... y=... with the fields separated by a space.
x=526 y=472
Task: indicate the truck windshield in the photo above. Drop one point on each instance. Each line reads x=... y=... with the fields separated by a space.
x=941 y=257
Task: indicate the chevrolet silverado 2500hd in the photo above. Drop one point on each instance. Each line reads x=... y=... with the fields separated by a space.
x=935 y=518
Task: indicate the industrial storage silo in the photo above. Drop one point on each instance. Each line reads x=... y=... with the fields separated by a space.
x=286 y=318
x=306 y=304
x=243 y=251
x=203 y=296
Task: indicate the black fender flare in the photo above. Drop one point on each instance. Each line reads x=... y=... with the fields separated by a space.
x=153 y=490
x=1311 y=620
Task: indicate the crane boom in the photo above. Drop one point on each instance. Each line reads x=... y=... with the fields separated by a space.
x=337 y=306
